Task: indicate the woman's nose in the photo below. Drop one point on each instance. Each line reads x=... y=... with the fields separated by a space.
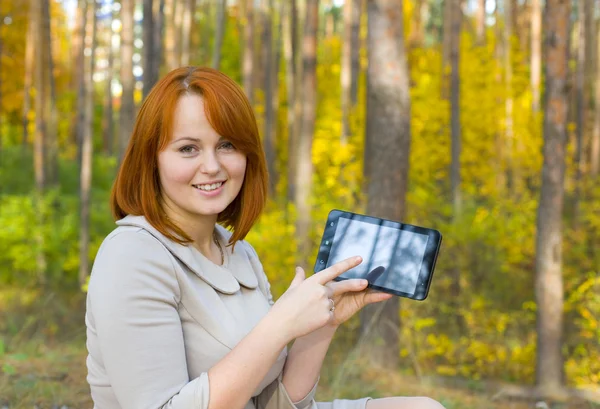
x=210 y=162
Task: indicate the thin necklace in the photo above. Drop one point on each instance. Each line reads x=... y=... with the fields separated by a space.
x=219 y=246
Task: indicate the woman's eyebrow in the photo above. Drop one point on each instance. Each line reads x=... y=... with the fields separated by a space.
x=186 y=138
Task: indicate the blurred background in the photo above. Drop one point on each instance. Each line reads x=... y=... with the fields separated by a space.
x=479 y=118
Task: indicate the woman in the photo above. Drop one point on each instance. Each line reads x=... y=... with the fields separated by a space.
x=179 y=312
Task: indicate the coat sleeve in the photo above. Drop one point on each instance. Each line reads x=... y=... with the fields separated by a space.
x=133 y=299
x=274 y=396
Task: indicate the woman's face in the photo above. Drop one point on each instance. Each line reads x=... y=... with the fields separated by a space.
x=200 y=172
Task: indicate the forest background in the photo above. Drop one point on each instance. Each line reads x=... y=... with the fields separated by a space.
x=479 y=118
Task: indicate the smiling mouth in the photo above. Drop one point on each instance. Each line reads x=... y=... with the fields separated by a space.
x=209 y=187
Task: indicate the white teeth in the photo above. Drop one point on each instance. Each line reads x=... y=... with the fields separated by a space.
x=208 y=188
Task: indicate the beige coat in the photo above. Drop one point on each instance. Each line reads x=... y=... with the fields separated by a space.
x=160 y=314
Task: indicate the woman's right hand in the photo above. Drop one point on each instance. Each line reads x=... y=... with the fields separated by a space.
x=305 y=306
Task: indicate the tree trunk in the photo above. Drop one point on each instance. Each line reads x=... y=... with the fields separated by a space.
x=446 y=47
x=388 y=139
x=50 y=111
x=178 y=23
x=40 y=95
x=29 y=61
x=186 y=28
x=481 y=14
x=355 y=51
x=269 y=135
x=83 y=5
x=149 y=57
x=456 y=17
x=417 y=34
x=346 y=70
x=126 y=115
x=248 y=56
x=36 y=18
x=508 y=34
x=85 y=177
x=304 y=155
x=584 y=9
x=220 y=33
x=536 y=53
x=170 y=36
x=289 y=50
x=595 y=145
x=107 y=117
x=548 y=261
x=77 y=79
x=157 y=42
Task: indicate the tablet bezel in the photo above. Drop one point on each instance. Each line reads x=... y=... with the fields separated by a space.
x=429 y=258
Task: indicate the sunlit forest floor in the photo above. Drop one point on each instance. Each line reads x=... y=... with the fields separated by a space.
x=42 y=359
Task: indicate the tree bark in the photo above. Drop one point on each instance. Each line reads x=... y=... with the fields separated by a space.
x=355 y=51
x=480 y=21
x=536 y=53
x=107 y=117
x=219 y=34
x=270 y=75
x=248 y=56
x=85 y=176
x=455 y=179
x=28 y=82
x=584 y=8
x=186 y=31
x=387 y=141
x=126 y=115
x=39 y=155
x=77 y=78
x=148 y=37
x=170 y=36
x=36 y=18
x=50 y=111
x=289 y=50
x=304 y=155
x=595 y=145
x=346 y=70
x=548 y=261
x=417 y=34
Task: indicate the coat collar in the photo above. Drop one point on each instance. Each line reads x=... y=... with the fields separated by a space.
x=226 y=279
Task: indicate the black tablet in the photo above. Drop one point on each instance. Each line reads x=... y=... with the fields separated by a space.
x=398 y=258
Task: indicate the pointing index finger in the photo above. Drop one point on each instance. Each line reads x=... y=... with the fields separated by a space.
x=337 y=269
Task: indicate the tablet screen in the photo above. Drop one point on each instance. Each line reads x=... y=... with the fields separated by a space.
x=392 y=257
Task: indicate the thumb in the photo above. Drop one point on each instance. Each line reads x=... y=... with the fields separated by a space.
x=299 y=278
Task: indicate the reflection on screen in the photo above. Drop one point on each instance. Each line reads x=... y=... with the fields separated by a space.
x=391 y=258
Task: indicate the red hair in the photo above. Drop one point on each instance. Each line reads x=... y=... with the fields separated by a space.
x=137 y=190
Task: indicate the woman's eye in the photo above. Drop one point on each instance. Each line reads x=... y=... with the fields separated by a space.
x=227 y=146
x=187 y=149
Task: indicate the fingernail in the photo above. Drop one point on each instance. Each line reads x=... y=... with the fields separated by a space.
x=358 y=258
x=364 y=282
